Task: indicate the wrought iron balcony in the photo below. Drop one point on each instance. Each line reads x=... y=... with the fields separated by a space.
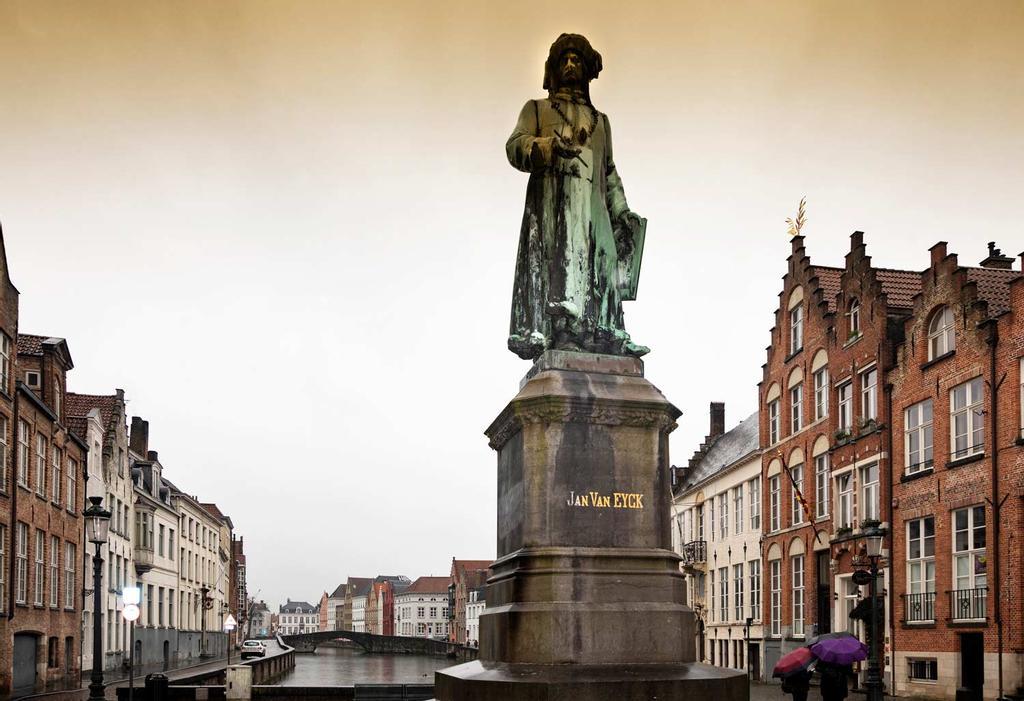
x=968 y=604
x=695 y=552
x=920 y=607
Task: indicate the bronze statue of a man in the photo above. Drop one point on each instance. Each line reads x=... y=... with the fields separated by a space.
x=579 y=246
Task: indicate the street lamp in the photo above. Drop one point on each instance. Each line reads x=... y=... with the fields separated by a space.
x=873 y=538
x=97 y=523
x=132 y=597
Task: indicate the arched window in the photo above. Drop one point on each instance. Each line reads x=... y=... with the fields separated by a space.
x=854 y=315
x=941 y=339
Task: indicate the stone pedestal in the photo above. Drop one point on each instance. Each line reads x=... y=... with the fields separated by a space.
x=586 y=600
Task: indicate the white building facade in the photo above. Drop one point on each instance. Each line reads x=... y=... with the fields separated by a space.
x=296 y=617
x=475 y=606
x=359 y=613
x=717 y=530
x=421 y=611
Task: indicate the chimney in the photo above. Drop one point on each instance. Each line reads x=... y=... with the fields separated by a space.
x=717 y=419
x=996 y=259
x=139 y=440
x=152 y=456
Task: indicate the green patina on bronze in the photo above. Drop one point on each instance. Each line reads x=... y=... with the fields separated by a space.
x=580 y=246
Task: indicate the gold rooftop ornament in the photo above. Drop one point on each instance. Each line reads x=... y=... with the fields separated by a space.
x=797 y=225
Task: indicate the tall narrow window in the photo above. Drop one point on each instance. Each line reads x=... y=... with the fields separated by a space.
x=821 y=394
x=40 y=569
x=917 y=437
x=796 y=509
x=737 y=590
x=920 y=600
x=737 y=507
x=845 y=407
x=723 y=597
x=869 y=495
x=70 y=557
x=967 y=427
x=775 y=593
x=773 y=421
x=54 y=571
x=23 y=433
x=1021 y=376
x=773 y=503
x=41 y=465
x=3 y=453
x=700 y=522
x=941 y=336
x=3 y=567
x=754 y=568
x=5 y=362
x=796 y=404
x=723 y=515
x=796 y=328
x=844 y=496
x=869 y=395
x=798 y=594
x=55 y=460
x=854 y=315
x=72 y=496
x=970 y=571
x=21 y=561
x=754 y=492
x=821 y=480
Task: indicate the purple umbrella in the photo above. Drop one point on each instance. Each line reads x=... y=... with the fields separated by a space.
x=840 y=650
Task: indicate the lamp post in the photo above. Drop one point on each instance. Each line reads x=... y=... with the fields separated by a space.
x=97 y=525
x=873 y=536
x=132 y=597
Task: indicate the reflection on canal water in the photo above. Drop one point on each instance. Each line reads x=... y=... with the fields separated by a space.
x=330 y=666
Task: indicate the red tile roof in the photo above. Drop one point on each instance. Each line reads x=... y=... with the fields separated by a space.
x=899 y=286
x=78 y=426
x=79 y=405
x=994 y=287
x=429 y=585
x=828 y=280
x=29 y=344
x=470 y=565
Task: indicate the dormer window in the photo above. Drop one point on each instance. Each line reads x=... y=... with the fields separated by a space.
x=854 y=315
x=941 y=338
x=32 y=379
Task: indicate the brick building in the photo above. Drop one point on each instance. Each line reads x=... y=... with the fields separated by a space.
x=826 y=434
x=353 y=587
x=958 y=481
x=465 y=576
x=42 y=465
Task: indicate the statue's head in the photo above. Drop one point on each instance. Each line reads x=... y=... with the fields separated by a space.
x=572 y=62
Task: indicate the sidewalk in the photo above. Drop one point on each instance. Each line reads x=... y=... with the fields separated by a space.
x=119 y=678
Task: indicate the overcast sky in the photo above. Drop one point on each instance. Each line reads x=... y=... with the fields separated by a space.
x=288 y=229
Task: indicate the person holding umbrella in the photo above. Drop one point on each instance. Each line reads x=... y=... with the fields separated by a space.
x=794 y=669
x=836 y=653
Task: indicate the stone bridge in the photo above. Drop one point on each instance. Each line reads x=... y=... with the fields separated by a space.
x=386 y=644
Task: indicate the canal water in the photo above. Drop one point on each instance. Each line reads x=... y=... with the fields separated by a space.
x=333 y=666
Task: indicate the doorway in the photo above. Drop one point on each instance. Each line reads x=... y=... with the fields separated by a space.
x=167 y=655
x=824 y=593
x=754 y=660
x=972 y=664
x=24 y=663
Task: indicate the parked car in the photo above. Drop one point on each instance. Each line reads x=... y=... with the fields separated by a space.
x=253 y=648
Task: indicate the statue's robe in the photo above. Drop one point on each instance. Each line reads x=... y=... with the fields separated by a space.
x=567 y=252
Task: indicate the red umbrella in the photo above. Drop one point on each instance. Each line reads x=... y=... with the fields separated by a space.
x=791 y=663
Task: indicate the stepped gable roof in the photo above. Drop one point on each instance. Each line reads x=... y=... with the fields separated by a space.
x=899 y=286
x=993 y=286
x=429 y=585
x=828 y=281
x=725 y=450
x=81 y=404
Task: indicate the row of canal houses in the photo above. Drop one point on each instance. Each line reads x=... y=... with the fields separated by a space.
x=889 y=397
x=442 y=608
x=57 y=449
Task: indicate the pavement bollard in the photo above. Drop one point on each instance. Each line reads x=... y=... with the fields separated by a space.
x=156 y=687
x=239 y=683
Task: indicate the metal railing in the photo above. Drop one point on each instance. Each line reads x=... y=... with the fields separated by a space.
x=919 y=607
x=968 y=604
x=695 y=552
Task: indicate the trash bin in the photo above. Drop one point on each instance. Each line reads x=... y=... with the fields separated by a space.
x=156 y=687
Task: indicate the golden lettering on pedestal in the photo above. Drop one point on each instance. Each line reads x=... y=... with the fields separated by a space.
x=614 y=500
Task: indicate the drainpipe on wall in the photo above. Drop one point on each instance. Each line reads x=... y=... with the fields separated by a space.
x=892 y=528
x=14 y=507
x=993 y=342
x=85 y=551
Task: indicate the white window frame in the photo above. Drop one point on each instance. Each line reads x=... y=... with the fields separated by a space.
x=921 y=564
x=38 y=586
x=72 y=495
x=56 y=457
x=21 y=561
x=918 y=437
x=821 y=394
x=774 y=503
x=737 y=508
x=869 y=394
x=796 y=407
x=754 y=570
x=797 y=483
x=941 y=333
x=797 y=570
x=822 y=477
x=41 y=465
x=3 y=567
x=54 y=571
x=773 y=422
x=796 y=328
x=845 y=394
x=723 y=597
x=24 y=443
x=870 y=507
x=930 y=663
x=844 y=500
x=5 y=362
x=854 y=315
x=971 y=412
x=3 y=453
x=972 y=555
x=775 y=598
x=754 y=494
x=739 y=605
x=723 y=515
